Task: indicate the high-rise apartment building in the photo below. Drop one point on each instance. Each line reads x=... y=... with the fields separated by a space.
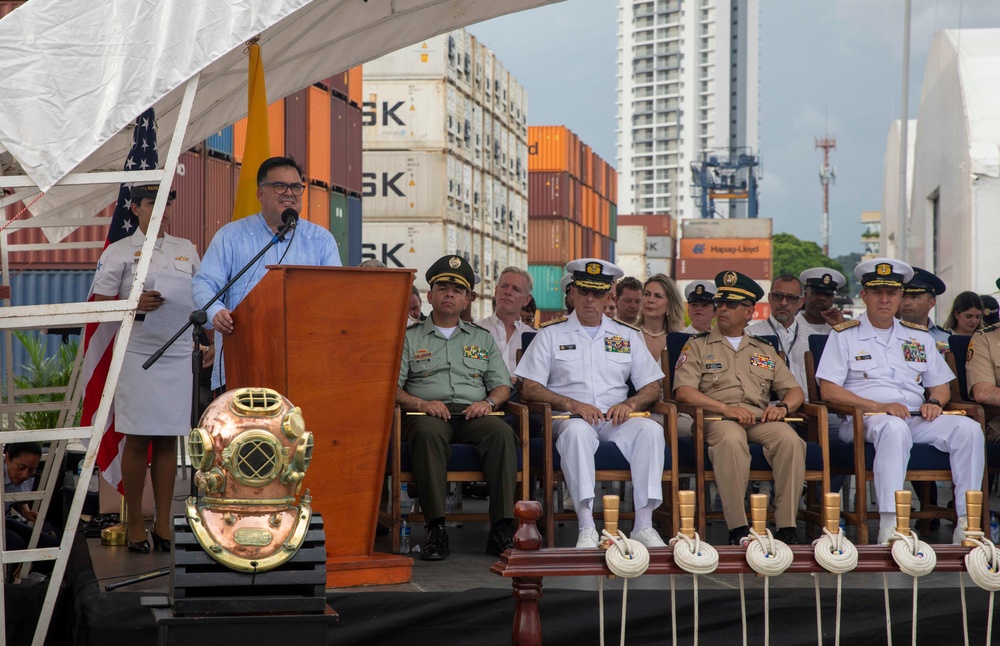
x=687 y=82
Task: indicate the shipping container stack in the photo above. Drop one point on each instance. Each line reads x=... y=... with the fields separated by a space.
x=445 y=160
x=572 y=212
x=646 y=245
x=708 y=247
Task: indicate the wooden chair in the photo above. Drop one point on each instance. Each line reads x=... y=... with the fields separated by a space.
x=857 y=458
x=693 y=451
x=464 y=466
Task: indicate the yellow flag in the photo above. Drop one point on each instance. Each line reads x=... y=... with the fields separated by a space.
x=258 y=146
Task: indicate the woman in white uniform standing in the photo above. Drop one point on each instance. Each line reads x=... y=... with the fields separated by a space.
x=152 y=407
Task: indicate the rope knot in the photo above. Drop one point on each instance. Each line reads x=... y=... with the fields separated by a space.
x=770 y=559
x=693 y=556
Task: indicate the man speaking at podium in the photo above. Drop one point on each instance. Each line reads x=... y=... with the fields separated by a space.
x=279 y=189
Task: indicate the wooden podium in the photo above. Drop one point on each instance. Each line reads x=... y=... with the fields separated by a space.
x=330 y=339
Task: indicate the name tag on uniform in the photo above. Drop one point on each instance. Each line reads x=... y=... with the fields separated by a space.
x=862 y=357
x=714 y=366
x=617 y=344
x=568 y=347
x=762 y=361
x=914 y=351
x=475 y=352
x=422 y=356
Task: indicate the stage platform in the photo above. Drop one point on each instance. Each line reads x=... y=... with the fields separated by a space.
x=458 y=601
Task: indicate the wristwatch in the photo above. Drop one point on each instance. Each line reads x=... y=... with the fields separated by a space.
x=782 y=405
x=493 y=404
x=935 y=402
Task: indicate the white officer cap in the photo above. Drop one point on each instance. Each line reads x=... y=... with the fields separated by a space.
x=593 y=273
x=700 y=291
x=823 y=279
x=883 y=272
x=564 y=282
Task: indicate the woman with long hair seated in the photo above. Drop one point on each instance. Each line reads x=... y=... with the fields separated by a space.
x=662 y=312
x=966 y=314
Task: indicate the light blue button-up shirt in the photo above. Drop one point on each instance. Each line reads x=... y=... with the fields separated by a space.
x=233 y=247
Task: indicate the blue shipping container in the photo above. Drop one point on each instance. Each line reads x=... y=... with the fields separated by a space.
x=45 y=288
x=221 y=143
x=545 y=289
x=353 y=231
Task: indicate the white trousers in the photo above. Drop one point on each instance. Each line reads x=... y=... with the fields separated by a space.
x=960 y=437
x=639 y=439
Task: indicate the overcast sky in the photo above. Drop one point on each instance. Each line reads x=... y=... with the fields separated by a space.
x=831 y=66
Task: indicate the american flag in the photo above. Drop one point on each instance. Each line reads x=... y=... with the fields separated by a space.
x=99 y=338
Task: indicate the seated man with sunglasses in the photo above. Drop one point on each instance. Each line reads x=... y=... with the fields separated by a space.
x=818 y=314
x=279 y=187
x=731 y=374
x=785 y=300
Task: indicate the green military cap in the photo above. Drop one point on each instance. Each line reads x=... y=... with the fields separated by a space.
x=140 y=191
x=734 y=286
x=452 y=269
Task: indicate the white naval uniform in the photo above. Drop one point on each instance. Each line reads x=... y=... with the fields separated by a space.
x=155 y=401
x=508 y=350
x=564 y=359
x=897 y=370
x=791 y=340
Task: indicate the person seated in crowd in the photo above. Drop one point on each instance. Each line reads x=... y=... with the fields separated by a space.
x=20 y=463
x=564 y=284
x=919 y=298
x=966 y=314
x=579 y=365
x=991 y=310
x=712 y=372
x=890 y=368
x=511 y=294
x=785 y=300
x=661 y=312
x=818 y=314
x=454 y=375
x=982 y=369
x=473 y=296
x=700 y=296
x=528 y=312
x=413 y=310
x=628 y=299
x=611 y=309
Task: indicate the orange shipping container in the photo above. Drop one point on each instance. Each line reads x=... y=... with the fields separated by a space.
x=749 y=248
x=354 y=86
x=553 y=149
x=319 y=206
x=275 y=127
x=554 y=242
x=318 y=135
x=709 y=268
x=656 y=225
x=220 y=178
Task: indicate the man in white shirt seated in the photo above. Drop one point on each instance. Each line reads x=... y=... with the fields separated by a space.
x=511 y=294
x=785 y=300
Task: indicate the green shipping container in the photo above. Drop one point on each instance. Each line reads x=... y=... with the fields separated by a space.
x=338 y=223
x=613 y=228
x=546 y=279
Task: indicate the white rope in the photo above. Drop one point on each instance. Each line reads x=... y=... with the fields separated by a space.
x=743 y=609
x=916 y=558
x=888 y=620
x=625 y=558
x=837 y=555
x=673 y=612
x=767 y=555
x=819 y=612
x=693 y=556
x=983 y=562
x=965 y=618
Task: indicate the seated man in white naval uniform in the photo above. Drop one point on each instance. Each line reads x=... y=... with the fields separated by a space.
x=700 y=296
x=579 y=364
x=890 y=368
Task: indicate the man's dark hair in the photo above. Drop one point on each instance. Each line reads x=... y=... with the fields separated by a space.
x=276 y=162
x=23 y=448
x=530 y=305
x=628 y=282
x=785 y=278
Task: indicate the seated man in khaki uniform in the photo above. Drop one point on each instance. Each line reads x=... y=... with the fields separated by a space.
x=453 y=373
x=730 y=373
x=982 y=370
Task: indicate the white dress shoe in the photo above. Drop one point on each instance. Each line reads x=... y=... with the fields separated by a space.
x=648 y=537
x=588 y=539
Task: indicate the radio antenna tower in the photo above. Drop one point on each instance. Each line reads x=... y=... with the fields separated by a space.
x=827 y=176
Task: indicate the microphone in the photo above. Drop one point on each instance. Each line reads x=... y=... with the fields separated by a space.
x=290 y=217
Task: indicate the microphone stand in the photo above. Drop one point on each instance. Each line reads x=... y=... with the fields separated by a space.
x=198 y=319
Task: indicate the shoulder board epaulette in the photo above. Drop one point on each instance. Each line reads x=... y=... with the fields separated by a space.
x=700 y=334
x=915 y=326
x=553 y=322
x=846 y=325
x=989 y=329
x=629 y=325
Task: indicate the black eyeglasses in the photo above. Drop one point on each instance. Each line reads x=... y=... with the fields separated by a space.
x=281 y=187
x=791 y=299
x=732 y=305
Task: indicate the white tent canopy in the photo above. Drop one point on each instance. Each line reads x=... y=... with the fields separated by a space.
x=76 y=74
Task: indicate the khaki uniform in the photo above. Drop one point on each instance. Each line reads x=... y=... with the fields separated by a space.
x=745 y=378
x=458 y=371
x=983 y=365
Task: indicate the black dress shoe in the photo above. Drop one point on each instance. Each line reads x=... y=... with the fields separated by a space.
x=161 y=544
x=787 y=535
x=737 y=535
x=501 y=538
x=436 y=548
x=139 y=547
